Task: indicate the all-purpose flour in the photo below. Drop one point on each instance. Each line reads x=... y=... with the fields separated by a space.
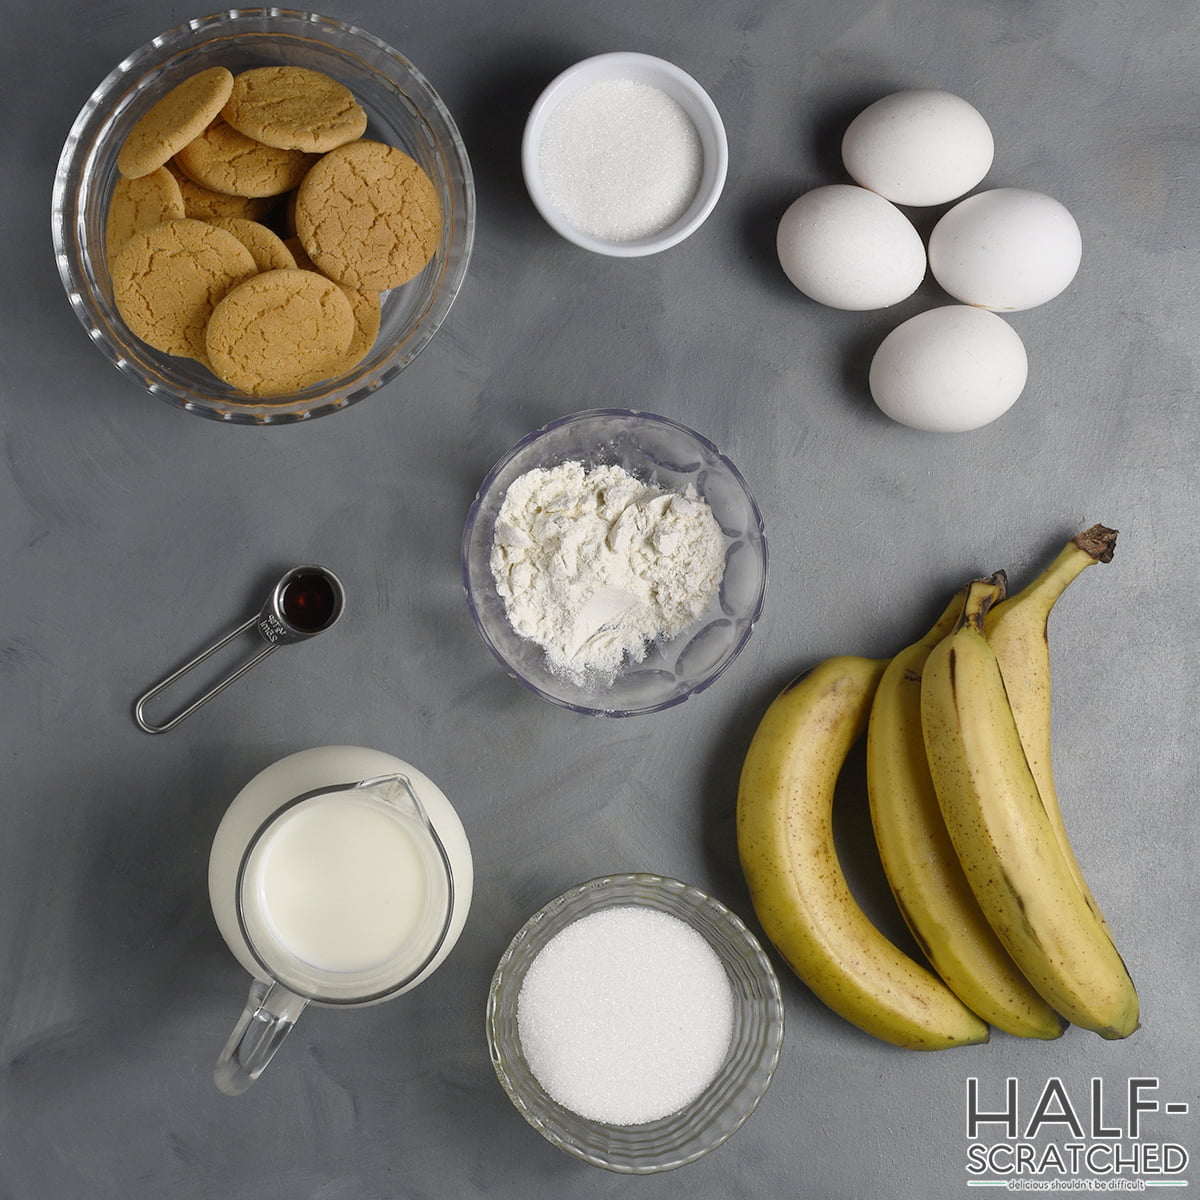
x=594 y=565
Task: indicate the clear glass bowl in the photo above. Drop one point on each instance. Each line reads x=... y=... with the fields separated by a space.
x=733 y=1095
x=662 y=452
x=402 y=109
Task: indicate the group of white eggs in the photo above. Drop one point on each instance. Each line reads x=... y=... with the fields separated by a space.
x=959 y=366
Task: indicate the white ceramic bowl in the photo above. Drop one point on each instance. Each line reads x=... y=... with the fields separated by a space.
x=676 y=84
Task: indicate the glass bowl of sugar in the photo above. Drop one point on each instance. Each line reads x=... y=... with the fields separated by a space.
x=635 y=1023
x=614 y=562
x=624 y=154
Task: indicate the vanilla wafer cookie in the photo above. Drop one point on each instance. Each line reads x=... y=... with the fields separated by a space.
x=138 y=204
x=368 y=216
x=174 y=120
x=280 y=332
x=294 y=108
x=224 y=160
x=167 y=281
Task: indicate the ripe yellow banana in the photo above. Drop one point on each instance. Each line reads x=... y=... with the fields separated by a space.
x=1004 y=839
x=1016 y=629
x=785 y=841
x=918 y=857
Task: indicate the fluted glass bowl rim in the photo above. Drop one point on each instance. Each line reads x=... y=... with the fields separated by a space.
x=738 y=1088
x=578 y=429
x=86 y=168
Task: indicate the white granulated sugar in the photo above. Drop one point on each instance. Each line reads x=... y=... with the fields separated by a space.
x=594 y=565
x=620 y=159
x=626 y=1015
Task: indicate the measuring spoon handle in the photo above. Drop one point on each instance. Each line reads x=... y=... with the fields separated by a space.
x=139 y=709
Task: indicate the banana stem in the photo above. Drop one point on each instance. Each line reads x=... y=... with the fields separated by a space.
x=981 y=595
x=1098 y=542
x=948 y=621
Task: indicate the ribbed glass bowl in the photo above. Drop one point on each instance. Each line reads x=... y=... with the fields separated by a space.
x=702 y=1126
x=403 y=110
x=658 y=451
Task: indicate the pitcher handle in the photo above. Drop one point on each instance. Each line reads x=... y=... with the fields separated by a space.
x=270 y=1012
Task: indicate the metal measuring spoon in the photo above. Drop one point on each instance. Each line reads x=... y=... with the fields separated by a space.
x=306 y=601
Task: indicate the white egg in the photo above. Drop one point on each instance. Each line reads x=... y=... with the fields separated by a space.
x=918 y=147
x=1006 y=249
x=949 y=369
x=849 y=248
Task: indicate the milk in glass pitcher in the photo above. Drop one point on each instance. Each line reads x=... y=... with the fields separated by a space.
x=339 y=876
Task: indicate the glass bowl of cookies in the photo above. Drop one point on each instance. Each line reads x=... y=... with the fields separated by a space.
x=263 y=215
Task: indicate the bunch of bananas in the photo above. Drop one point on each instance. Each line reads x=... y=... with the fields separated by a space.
x=967 y=822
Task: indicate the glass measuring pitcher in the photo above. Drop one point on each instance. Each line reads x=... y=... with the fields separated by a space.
x=342 y=894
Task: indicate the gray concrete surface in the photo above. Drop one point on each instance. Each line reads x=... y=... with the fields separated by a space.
x=131 y=532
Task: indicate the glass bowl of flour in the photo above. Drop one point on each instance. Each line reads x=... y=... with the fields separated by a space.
x=614 y=562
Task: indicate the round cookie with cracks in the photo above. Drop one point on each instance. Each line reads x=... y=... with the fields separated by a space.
x=368 y=216
x=176 y=119
x=367 y=316
x=203 y=203
x=167 y=281
x=227 y=161
x=280 y=332
x=368 y=312
x=265 y=245
x=139 y=204
x=294 y=108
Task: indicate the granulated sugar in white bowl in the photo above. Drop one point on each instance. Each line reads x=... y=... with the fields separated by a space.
x=642 y=163
x=624 y=154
